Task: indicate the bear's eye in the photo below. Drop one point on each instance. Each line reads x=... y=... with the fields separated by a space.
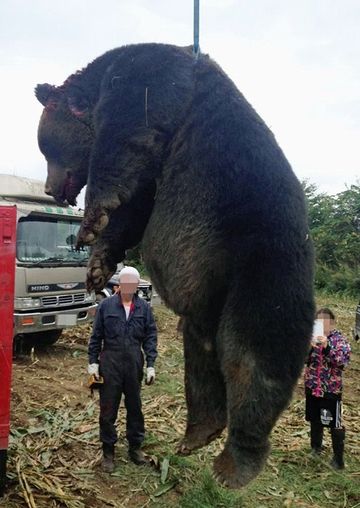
x=49 y=150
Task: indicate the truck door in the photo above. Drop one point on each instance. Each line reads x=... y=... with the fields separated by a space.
x=7 y=280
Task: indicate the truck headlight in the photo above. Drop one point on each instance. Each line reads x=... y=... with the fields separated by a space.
x=26 y=303
x=90 y=297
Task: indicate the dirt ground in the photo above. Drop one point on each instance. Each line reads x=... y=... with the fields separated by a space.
x=54 y=452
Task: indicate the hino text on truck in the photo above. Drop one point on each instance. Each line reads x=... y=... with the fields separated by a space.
x=50 y=273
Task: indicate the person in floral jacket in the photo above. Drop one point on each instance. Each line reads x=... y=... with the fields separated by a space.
x=328 y=356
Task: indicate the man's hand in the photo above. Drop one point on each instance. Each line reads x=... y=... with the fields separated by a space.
x=150 y=376
x=93 y=368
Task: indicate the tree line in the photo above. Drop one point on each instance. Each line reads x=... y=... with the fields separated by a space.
x=334 y=222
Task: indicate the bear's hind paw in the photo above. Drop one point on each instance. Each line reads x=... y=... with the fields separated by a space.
x=236 y=474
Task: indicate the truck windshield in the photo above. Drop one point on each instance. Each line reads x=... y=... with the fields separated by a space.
x=49 y=241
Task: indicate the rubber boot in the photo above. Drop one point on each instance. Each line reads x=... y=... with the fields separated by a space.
x=338 y=441
x=108 y=464
x=137 y=456
x=316 y=437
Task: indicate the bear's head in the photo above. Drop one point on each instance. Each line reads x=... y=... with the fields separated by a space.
x=141 y=94
x=65 y=138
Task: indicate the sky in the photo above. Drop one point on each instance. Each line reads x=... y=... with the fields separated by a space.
x=296 y=62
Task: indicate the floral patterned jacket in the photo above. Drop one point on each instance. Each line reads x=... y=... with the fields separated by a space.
x=323 y=372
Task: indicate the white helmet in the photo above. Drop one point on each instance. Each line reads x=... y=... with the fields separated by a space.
x=129 y=270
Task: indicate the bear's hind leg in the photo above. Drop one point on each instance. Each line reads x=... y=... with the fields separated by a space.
x=204 y=388
x=262 y=348
x=254 y=403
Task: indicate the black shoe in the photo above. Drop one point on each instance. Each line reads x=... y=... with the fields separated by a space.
x=316 y=451
x=338 y=440
x=108 y=464
x=337 y=464
x=137 y=456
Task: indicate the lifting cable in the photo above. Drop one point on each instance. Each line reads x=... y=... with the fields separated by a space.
x=196 y=47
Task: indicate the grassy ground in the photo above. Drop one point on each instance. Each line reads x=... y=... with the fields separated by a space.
x=55 y=453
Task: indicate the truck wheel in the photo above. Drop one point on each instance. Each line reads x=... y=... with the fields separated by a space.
x=24 y=342
x=47 y=338
x=42 y=339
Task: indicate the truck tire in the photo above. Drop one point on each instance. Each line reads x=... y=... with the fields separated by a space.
x=46 y=338
x=42 y=339
x=24 y=342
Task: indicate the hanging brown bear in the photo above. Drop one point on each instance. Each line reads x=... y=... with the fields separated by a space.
x=170 y=148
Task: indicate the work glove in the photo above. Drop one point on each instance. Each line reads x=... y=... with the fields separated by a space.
x=150 y=375
x=93 y=368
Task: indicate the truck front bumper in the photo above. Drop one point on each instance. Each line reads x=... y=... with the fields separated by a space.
x=32 y=322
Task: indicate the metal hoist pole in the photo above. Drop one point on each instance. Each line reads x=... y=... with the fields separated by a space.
x=196 y=48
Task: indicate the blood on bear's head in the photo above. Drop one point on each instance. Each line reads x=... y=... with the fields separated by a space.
x=65 y=138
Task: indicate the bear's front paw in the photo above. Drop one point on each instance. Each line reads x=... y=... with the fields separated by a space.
x=94 y=222
x=104 y=198
x=100 y=269
x=96 y=217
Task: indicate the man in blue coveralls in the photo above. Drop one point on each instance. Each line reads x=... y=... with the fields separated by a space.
x=123 y=329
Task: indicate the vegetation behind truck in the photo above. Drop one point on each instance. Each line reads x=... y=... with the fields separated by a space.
x=50 y=274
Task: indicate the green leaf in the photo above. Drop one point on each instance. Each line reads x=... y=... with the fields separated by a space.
x=90 y=409
x=20 y=431
x=45 y=458
x=118 y=472
x=36 y=430
x=164 y=470
x=85 y=472
x=162 y=489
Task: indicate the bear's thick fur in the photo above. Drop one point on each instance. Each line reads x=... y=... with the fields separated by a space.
x=225 y=239
x=66 y=136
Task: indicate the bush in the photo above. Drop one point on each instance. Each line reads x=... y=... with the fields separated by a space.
x=344 y=280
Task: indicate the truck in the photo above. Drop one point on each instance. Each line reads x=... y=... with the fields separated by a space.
x=50 y=273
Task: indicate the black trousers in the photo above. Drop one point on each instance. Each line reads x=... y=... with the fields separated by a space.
x=325 y=411
x=122 y=373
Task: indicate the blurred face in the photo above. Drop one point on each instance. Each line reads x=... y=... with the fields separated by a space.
x=328 y=322
x=128 y=285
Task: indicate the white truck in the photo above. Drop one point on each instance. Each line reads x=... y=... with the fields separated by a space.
x=50 y=292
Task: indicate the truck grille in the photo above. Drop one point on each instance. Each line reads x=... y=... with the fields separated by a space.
x=62 y=300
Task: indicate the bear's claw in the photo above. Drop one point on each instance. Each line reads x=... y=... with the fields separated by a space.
x=94 y=222
x=100 y=269
x=197 y=437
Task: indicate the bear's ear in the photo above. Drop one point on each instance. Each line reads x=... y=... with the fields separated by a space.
x=78 y=104
x=47 y=95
